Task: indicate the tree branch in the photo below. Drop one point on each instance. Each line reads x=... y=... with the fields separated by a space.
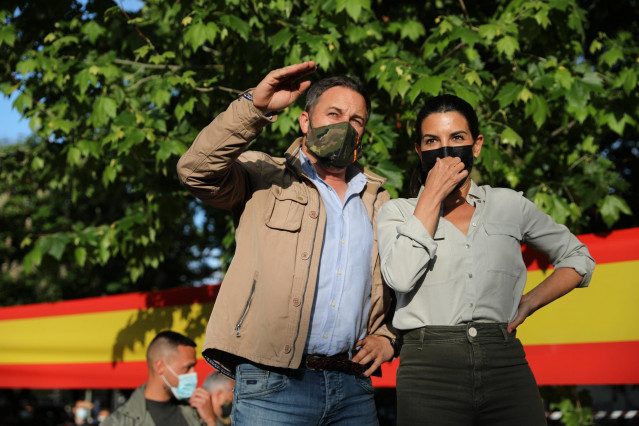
x=139 y=31
x=222 y=88
x=562 y=129
x=145 y=65
x=463 y=6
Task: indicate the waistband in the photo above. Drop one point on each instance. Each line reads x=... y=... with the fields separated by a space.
x=472 y=331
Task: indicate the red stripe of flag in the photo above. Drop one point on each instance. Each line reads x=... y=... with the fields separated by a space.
x=141 y=300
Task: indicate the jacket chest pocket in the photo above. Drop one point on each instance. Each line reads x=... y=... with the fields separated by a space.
x=285 y=208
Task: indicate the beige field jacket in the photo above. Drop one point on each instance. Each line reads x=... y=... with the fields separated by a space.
x=263 y=309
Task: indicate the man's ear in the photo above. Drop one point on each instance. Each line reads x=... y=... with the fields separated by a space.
x=304 y=122
x=159 y=366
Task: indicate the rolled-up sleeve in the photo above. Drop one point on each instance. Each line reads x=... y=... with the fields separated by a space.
x=405 y=246
x=564 y=250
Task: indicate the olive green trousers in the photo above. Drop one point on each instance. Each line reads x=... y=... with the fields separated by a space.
x=471 y=374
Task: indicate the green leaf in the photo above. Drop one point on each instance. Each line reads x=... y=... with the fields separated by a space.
x=615 y=125
x=610 y=208
x=611 y=56
x=169 y=147
x=88 y=147
x=538 y=107
x=281 y=38
x=93 y=30
x=488 y=31
x=412 y=29
x=431 y=85
x=390 y=171
x=508 y=94
x=237 y=25
x=32 y=259
x=524 y=95
x=508 y=45
x=74 y=156
x=510 y=137
x=181 y=109
x=103 y=109
x=199 y=33
x=80 y=254
x=323 y=57
x=353 y=7
x=109 y=175
x=564 y=77
x=578 y=95
x=473 y=78
x=23 y=102
x=7 y=35
x=627 y=79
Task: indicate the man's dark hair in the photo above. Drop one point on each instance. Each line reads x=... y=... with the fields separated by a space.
x=166 y=340
x=317 y=89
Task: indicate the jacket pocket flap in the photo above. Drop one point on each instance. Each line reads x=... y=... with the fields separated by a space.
x=289 y=194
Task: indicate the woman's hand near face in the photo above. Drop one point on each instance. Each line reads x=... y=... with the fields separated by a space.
x=440 y=182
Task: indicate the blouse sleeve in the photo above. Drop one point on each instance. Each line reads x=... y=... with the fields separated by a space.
x=563 y=249
x=405 y=247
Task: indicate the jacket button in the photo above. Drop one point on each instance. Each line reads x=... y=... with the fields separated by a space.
x=296 y=302
x=313 y=214
x=287 y=348
x=305 y=255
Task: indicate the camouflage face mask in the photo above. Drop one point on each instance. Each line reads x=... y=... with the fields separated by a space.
x=335 y=145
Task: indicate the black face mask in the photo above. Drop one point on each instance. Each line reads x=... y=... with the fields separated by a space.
x=227 y=407
x=429 y=158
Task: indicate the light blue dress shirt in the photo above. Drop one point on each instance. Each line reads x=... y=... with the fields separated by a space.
x=343 y=295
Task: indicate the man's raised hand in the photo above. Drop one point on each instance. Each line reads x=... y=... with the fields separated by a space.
x=280 y=87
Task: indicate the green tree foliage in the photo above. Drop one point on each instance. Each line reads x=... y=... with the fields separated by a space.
x=114 y=99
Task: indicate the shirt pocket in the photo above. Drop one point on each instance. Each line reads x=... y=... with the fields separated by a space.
x=503 y=248
x=285 y=208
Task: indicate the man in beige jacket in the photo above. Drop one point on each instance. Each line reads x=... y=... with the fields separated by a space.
x=302 y=318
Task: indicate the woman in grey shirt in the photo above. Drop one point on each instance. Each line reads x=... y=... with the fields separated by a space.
x=453 y=257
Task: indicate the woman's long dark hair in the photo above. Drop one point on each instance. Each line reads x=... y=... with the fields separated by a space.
x=440 y=104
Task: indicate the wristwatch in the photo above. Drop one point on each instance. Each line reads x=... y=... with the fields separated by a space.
x=396 y=345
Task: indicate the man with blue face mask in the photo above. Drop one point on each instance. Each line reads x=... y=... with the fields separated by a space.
x=302 y=318
x=170 y=397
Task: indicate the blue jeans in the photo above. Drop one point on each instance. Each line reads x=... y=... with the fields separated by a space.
x=301 y=397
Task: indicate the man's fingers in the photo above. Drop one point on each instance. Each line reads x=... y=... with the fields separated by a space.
x=292 y=72
x=372 y=368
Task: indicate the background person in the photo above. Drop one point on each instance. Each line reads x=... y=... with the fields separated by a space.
x=169 y=397
x=453 y=257
x=304 y=287
x=82 y=413
x=220 y=387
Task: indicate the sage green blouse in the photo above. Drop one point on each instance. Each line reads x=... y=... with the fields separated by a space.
x=451 y=278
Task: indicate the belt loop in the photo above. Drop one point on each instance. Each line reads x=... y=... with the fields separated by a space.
x=422 y=333
x=504 y=331
x=350 y=354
